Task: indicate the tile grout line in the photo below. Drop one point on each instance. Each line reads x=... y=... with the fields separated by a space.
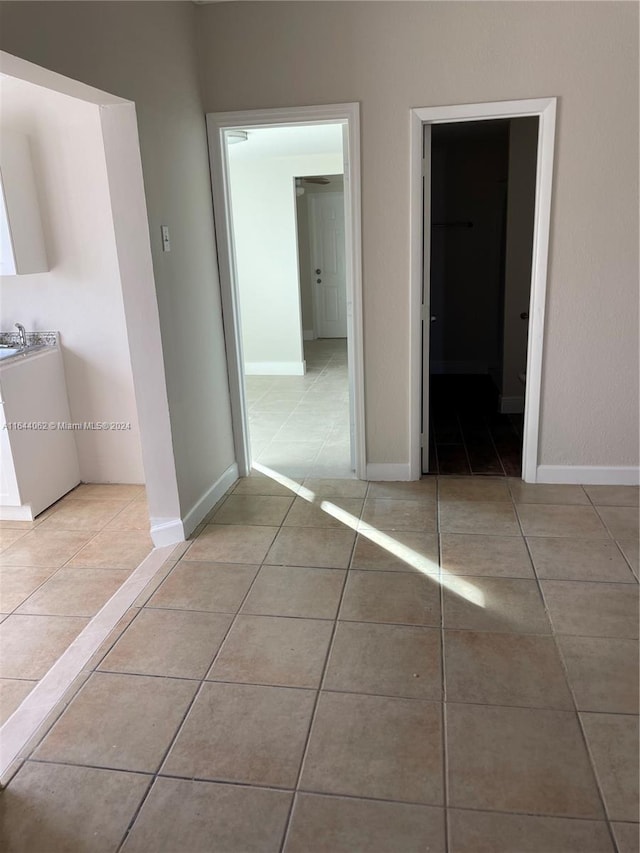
x=314 y=709
x=583 y=737
x=190 y=705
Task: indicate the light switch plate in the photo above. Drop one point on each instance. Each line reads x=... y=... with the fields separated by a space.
x=166 y=242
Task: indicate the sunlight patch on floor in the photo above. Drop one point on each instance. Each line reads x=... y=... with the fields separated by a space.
x=464 y=588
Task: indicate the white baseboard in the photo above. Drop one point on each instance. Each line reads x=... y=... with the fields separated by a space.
x=393 y=471
x=308 y=335
x=210 y=498
x=512 y=405
x=16 y=513
x=167 y=531
x=453 y=367
x=275 y=368
x=589 y=475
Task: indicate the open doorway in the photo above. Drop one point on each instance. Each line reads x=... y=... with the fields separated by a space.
x=483 y=177
x=288 y=237
x=459 y=355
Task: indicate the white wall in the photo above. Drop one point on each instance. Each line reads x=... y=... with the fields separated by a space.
x=145 y=52
x=263 y=202
x=521 y=189
x=394 y=56
x=81 y=295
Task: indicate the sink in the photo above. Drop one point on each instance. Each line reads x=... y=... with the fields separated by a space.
x=9 y=352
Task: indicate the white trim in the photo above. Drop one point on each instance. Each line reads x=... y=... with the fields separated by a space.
x=16 y=513
x=210 y=498
x=21 y=726
x=166 y=531
x=590 y=475
x=349 y=116
x=389 y=471
x=275 y=368
x=545 y=110
x=512 y=405
x=309 y=335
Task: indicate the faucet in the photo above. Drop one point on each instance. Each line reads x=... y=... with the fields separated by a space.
x=22 y=335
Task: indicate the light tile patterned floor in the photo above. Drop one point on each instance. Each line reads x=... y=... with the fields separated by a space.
x=421 y=676
x=56 y=573
x=299 y=425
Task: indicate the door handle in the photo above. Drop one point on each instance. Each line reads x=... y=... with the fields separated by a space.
x=524 y=315
x=433 y=318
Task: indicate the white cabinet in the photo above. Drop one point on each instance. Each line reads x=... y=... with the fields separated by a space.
x=22 y=249
x=38 y=458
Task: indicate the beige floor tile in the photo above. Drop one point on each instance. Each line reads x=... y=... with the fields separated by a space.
x=344 y=825
x=331 y=488
x=631 y=550
x=483 y=517
x=232 y=543
x=114 y=549
x=473 y=489
x=485 y=555
x=75 y=592
x=542 y=493
x=385 y=514
x=12 y=692
x=559 y=520
x=52 y=808
x=106 y=492
x=216 y=587
x=627 y=837
x=23 y=526
x=395 y=755
x=134 y=516
x=32 y=644
x=418 y=490
x=82 y=515
x=125 y=722
x=8 y=536
x=44 y=548
x=394 y=597
x=18 y=582
x=613 y=743
x=388 y=660
x=258 y=484
x=328 y=512
x=603 y=673
x=397 y=551
x=484 y=832
x=494 y=604
x=592 y=609
x=176 y=643
x=253 y=509
x=579 y=560
x=200 y=817
x=502 y=669
x=613 y=495
x=307 y=546
x=622 y=521
x=519 y=759
x=243 y=733
x=295 y=591
x=274 y=650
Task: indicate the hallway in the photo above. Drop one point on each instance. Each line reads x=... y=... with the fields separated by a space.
x=299 y=425
x=340 y=666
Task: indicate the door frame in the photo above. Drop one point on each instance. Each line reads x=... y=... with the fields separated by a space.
x=348 y=115
x=545 y=110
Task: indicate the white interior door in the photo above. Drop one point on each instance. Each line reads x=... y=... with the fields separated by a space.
x=426 y=292
x=328 y=259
